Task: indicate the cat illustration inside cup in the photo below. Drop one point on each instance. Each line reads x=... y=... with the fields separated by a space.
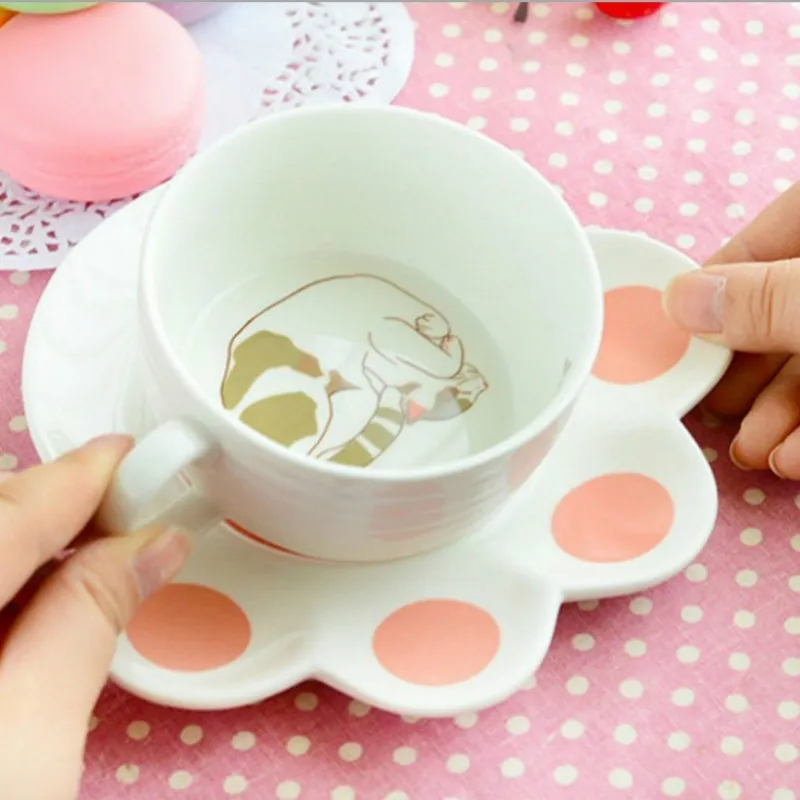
x=344 y=388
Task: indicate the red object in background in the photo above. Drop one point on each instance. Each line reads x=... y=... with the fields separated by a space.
x=629 y=10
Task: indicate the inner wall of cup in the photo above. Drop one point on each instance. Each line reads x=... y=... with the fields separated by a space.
x=441 y=213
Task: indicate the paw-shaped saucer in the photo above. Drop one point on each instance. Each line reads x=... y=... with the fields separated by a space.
x=624 y=501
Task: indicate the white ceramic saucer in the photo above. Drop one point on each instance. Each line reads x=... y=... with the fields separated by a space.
x=625 y=501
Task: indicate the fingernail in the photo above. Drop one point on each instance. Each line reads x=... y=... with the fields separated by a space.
x=694 y=301
x=771 y=461
x=734 y=458
x=160 y=560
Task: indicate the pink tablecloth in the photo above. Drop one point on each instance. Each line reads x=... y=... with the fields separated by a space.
x=683 y=125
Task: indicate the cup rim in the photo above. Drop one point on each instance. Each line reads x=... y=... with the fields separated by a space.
x=570 y=389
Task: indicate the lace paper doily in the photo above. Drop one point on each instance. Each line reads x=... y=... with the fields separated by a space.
x=259 y=58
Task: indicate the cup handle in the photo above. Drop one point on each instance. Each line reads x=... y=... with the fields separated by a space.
x=147 y=472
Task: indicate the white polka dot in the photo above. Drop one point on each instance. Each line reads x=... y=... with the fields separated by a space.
x=17 y=424
x=737 y=179
x=500 y=8
x=579 y=41
x=607 y=136
x=444 y=60
x=784 y=794
x=3 y=346
x=351 y=751
x=635 y=648
x=138 y=731
x=673 y=787
x=520 y=124
x=644 y=205
x=9 y=312
x=242 y=741
x=564 y=128
x=739 y=661
x=343 y=793
x=530 y=684
x=565 y=775
x=744 y=619
x=458 y=764
x=787 y=753
x=693 y=177
x=711 y=454
x=685 y=241
x=405 y=756
x=656 y=110
x=729 y=790
x=688 y=209
x=466 y=721
x=512 y=768
x=696 y=146
x=612 y=106
x=597 y=199
x=451 y=31
x=660 y=79
x=748 y=87
x=620 y=779
x=288 y=790
x=8 y=462
x=735 y=211
x=531 y=66
x=476 y=123
x=641 y=606
x=710 y=25
x=732 y=746
x=625 y=734
x=572 y=729
x=540 y=10
x=298 y=746
x=683 y=697
x=794 y=543
x=487 y=65
x=481 y=93
x=438 y=89
x=791 y=667
x=788 y=123
x=751 y=537
x=794 y=31
x=755 y=27
x=653 y=142
x=788 y=709
x=742 y=148
x=746 y=578
x=358 y=709
x=617 y=77
x=792 y=626
x=785 y=154
x=191 y=734
x=736 y=703
x=708 y=54
x=679 y=741
x=577 y=685
x=537 y=37
x=518 y=726
x=180 y=780
x=127 y=774
x=687 y=654
x=750 y=60
x=526 y=95
x=621 y=48
x=588 y=605
x=794 y=583
x=20 y=278
x=631 y=689
x=745 y=116
x=603 y=167
x=493 y=35
x=664 y=51
x=569 y=99
x=704 y=85
x=700 y=116
x=306 y=701
x=575 y=70
x=558 y=160
x=93 y=723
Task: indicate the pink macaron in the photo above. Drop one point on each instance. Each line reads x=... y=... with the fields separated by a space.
x=98 y=105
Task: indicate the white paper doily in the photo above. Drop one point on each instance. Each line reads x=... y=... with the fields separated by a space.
x=259 y=58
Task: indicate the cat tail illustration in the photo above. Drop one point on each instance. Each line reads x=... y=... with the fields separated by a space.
x=381 y=431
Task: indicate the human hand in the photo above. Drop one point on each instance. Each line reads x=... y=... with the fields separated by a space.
x=60 y=616
x=748 y=298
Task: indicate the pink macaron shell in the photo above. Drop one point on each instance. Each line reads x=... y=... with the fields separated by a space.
x=109 y=103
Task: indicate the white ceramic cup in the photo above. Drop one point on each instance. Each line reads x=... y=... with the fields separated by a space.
x=361 y=327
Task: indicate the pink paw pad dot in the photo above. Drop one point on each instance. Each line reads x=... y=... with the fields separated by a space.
x=613 y=518
x=437 y=642
x=189 y=628
x=639 y=342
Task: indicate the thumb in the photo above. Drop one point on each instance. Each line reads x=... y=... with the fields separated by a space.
x=748 y=307
x=57 y=658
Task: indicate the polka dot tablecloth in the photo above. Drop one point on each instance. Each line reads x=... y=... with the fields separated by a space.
x=682 y=125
